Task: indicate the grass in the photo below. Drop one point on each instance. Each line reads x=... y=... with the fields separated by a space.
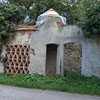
x=71 y=82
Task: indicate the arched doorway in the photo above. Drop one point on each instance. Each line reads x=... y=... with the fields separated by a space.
x=72 y=56
x=51 y=60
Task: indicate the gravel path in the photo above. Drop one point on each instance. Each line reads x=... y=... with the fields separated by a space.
x=15 y=93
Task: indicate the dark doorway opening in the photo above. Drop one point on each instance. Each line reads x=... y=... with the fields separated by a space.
x=51 y=60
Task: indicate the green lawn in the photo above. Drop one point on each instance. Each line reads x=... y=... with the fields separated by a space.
x=72 y=82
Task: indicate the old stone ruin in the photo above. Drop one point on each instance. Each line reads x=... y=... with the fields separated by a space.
x=50 y=48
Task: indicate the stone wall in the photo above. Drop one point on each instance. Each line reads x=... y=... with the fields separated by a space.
x=48 y=33
x=72 y=56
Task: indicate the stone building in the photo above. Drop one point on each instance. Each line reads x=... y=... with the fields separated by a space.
x=51 y=48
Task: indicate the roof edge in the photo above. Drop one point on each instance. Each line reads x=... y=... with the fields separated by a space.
x=26 y=28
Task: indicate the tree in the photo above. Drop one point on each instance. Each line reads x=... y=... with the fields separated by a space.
x=25 y=3
x=10 y=15
x=43 y=5
x=63 y=7
x=91 y=22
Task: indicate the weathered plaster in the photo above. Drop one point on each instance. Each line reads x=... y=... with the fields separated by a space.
x=21 y=37
x=37 y=59
x=47 y=33
x=3 y=54
x=92 y=57
x=53 y=32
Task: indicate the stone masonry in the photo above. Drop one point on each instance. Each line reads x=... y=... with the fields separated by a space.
x=73 y=55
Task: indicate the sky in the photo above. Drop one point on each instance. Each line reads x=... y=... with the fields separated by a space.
x=1 y=1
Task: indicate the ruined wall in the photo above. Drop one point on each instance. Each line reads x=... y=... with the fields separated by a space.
x=91 y=61
x=72 y=56
x=90 y=49
x=51 y=32
x=72 y=40
x=18 y=53
x=48 y=33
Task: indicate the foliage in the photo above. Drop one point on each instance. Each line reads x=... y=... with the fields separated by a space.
x=26 y=3
x=91 y=22
x=10 y=15
x=40 y=6
x=88 y=14
x=85 y=13
x=73 y=82
x=41 y=78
